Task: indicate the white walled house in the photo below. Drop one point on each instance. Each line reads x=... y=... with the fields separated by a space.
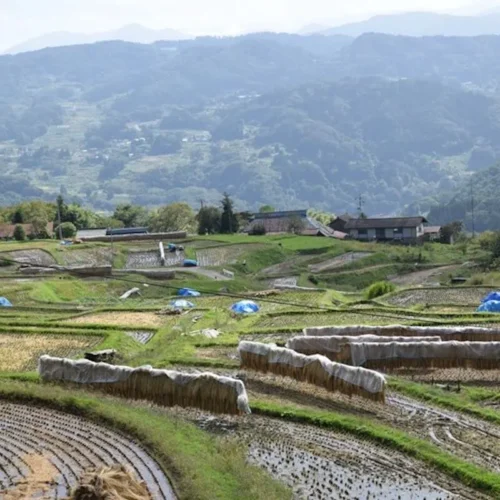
x=407 y=230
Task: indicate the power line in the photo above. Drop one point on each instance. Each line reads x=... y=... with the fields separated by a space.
x=210 y=292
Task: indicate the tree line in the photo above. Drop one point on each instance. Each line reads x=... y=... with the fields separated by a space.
x=68 y=218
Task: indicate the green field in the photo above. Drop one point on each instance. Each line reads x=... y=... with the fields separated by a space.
x=63 y=315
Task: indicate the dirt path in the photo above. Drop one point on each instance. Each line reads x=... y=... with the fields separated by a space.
x=68 y=445
x=420 y=277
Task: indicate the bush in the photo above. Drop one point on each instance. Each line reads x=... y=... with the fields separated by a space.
x=19 y=233
x=313 y=279
x=380 y=288
x=68 y=230
x=257 y=230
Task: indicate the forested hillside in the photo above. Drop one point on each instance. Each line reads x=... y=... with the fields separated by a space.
x=290 y=120
x=479 y=193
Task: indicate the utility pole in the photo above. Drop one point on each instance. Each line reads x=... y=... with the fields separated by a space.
x=361 y=203
x=202 y=203
x=59 y=221
x=472 y=211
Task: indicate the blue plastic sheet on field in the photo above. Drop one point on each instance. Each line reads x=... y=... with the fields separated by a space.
x=4 y=302
x=190 y=263
x=491 y=296
x=181 y=304
x=245 y=307
x=188 y=292
x=492 y=306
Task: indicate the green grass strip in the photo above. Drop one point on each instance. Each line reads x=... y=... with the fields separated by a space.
x=467 y=473
x=200 y=466
x=448 y=400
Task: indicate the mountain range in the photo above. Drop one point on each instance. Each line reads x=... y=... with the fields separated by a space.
x=419 y=24
x=130 y=33
x=289 y=120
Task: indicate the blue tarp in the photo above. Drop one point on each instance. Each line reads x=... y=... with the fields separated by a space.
x=491 y=296
x=188 y=292
x=492 y=306
x=245 y=307
x=190 y=263
x=4 y=302
x=181 y=304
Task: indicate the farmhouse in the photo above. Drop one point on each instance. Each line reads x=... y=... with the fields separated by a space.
x=403 y=229
x=432 y=233
x=293 y=221
x=338 y=224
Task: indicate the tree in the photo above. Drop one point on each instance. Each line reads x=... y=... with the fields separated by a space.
x=68 y=230
x=131 y=215
x=38 y=214
x=295 y=225
x=19 y=233
x=265 y=209
x=450 y=232
x=229 y=222
x=174 y=217
x=18 y=216
x=209 y=220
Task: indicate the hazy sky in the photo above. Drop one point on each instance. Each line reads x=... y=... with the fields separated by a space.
x=23 y=19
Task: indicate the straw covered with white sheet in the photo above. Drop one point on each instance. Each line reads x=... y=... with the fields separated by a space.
x=447 y=333
x=317 y=370
x=453 y=354
x=206 y=391
x=337 y=348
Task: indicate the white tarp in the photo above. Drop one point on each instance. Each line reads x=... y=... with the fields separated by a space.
x=362 y=352
x=399 y=330
x=335 y=343
x=368 y=380
x=86 y=372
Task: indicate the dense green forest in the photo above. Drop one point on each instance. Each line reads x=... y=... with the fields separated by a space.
x=295 y=121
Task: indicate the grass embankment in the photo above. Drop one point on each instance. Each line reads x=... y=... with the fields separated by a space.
x=467 y=473
x=199 y=466
x=463 y=402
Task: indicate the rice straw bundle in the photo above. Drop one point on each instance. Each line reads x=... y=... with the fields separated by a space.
x=453 y=354
x=317 y=370
x=337 y=348
x=110 y=483
x=448 y=333
x=206 y=391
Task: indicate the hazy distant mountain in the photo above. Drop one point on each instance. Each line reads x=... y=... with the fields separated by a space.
x=422 y=24
x=130 y=33
x=313 y=29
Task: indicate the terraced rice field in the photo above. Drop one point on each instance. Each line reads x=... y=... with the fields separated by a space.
x=87 y=257
x=322 y=319
x=219 y=256
x=36 y=257
x=324 y=464
x=20 y=352
x=118 y=318
x=456 y=296
x=151 y=259
x=337 y=262
x=43 y=453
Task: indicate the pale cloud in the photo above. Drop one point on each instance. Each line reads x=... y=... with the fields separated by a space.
x=22 y=19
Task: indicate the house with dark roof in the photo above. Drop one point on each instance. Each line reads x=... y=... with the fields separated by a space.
x=285 y=221
x=406 y=230
x=338 y=224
